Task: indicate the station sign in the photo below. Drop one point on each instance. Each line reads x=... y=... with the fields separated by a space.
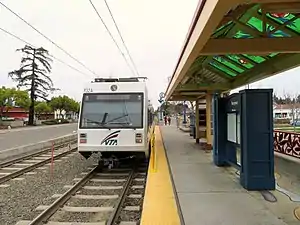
x=161 y=95
x=233 y=103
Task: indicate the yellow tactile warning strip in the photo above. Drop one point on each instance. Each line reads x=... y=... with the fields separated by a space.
x=159 y=207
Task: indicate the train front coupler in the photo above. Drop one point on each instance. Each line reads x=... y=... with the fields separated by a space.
x=108 y=162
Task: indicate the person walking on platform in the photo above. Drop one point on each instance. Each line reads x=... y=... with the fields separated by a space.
x=165 y=118
x=177 y=121
x=169 y=120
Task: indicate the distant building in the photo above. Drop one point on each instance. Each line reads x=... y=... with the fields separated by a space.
x=19 y=113
x=15 y=112
x=285 y=111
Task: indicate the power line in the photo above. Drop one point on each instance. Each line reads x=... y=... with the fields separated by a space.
x=111 y=36
x=20 y=39
x=111 y=14
x=26 y=42
x=17 y=15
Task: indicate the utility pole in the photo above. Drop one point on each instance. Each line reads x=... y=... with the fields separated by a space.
x=161 y=101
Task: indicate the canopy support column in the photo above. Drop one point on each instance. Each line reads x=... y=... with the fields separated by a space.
x=208 y=122
x=197 y=121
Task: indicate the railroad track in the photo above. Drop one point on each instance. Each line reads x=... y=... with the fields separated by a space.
x=112 y=197
x=17 y=167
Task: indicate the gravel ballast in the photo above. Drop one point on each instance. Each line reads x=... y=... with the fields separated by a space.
x=90 y=202
x=22 y=197
x=129 y=216
x=133 y=216
x=19 y=200
x=98 y=192
x=83 y=217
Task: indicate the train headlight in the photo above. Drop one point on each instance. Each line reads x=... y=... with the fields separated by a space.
x=138 y=138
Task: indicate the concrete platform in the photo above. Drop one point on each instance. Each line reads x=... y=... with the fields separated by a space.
x=211 y=195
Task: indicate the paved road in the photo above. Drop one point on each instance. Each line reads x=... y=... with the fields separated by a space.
x=25 y=136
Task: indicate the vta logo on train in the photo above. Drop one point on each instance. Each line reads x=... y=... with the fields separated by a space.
x=111 y=139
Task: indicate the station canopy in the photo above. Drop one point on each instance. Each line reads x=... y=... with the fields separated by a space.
x=249 y=43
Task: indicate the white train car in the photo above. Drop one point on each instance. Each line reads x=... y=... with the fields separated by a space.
x=115 y=119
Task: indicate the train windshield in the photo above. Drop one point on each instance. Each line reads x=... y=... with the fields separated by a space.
x=116 y=110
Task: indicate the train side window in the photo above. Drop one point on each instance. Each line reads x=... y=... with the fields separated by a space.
x=150 y=118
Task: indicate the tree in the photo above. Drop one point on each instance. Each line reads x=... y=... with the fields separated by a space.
x=21 y=99
x=5 y=95
x=193 y=105
x=179 y=107
x=74 y=106
x=33 y=75
x=65 y=103
x=298 y=99
x=276 y=99
x=295 y=107
x=42 y=107
x=166 y=107
x=69 y=105
x=10 y=97
x=56 y=104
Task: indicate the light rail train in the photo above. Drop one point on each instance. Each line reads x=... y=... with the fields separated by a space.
x=116 y=120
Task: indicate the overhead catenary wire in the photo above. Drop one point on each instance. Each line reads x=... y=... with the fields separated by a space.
x=17 y=15
x=119 y=32
x=99 y=16
x=26 y=42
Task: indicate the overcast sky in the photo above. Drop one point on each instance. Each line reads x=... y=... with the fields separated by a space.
x=154 y=32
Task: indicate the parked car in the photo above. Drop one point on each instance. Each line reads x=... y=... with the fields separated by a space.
x=295 y=123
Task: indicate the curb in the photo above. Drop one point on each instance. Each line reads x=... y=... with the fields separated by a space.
x=286 y=157
x=4 y=131
x=31 y=148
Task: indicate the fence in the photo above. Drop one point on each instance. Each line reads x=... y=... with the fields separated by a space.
x=287 y=143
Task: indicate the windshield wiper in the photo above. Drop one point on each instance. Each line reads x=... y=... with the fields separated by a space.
x=120 y=117
x=99 y=122
x=104 y=118
x=94 y=121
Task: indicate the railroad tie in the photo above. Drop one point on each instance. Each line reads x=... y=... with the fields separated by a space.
x=78 y=209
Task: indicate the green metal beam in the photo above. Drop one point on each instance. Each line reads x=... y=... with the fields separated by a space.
x=243 y=19
x=234 y=63
x=229 y=68
x=215 y=71
x=195 y=67
x=269 y=68
x=275 y=24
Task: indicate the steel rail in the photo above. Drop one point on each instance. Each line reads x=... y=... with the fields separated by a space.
x=117 y=209
x=32 y=167
x=46 y=214
x=30 y=155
